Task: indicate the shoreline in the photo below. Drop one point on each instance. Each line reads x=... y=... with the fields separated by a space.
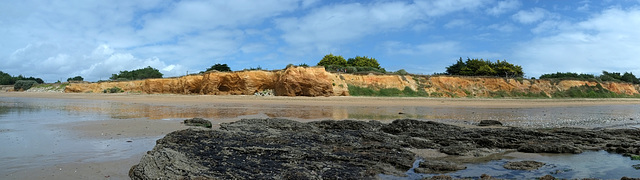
x=328 y=101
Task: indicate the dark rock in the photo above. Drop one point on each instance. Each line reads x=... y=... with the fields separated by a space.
x=438 y=167
x=628 y=178
x=523 y=165
x=278 y=149
x=198 y=122
x=637 y=166
x=487 y=177
x=547 y=177
x=490 y=123
x=285 y=149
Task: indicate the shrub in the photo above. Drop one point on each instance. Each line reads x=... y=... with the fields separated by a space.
x=330 y=59
x=401 y=72
x=144 y=73
x=219 y=67
x=480 y=67
x=113 y=90
x=363 y=62
x=77 y=78
x=24 y=85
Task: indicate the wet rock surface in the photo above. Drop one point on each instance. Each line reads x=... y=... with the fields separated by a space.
x=523 y=165
x=438 y=167
x=490 y=123
x=198 y=122
x=285 y=149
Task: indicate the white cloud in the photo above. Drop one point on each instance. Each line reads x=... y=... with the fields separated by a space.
x=503 y=7
x=531 y=16
x=607 y=41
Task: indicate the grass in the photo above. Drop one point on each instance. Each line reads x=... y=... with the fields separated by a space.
x=586 y=91
x=385 y=92
x=55 y=86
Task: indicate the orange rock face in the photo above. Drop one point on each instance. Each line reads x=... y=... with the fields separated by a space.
x=299 y=81
x=315 y=81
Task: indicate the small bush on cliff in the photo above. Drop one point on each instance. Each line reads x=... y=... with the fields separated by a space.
x=365 y=61
x=586 y=91
x=144 y=73
x=113 y=90
x=24 y=85
x=388 y=92
x=219 y=67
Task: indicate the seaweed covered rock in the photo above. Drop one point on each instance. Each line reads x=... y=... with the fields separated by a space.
x=347 y=149
x=198 y=122
x=275 y=148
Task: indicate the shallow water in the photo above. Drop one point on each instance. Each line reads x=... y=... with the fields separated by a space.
x=591 y=164
x=31 y=133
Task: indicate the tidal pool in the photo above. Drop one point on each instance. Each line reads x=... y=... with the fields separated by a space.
x=589 y=164
x=33 y=133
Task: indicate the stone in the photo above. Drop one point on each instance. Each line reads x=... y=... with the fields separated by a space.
x=490 y=123
x=523 y=165
x=438 y=167
x=198 y=122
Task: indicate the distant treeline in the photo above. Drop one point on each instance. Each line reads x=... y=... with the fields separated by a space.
x=605 y=76
x=481 y=67
x=6 y=79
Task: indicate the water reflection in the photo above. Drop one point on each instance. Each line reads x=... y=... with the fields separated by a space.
x=582 y=116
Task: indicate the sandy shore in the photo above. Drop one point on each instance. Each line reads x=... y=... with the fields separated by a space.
x=328 y=101
x=144 y=128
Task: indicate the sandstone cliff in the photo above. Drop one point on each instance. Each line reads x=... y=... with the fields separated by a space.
x=315 y=81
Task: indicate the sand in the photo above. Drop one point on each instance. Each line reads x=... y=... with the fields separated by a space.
x=141 y=127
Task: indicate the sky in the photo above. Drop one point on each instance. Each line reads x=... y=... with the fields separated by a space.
x=58 y=39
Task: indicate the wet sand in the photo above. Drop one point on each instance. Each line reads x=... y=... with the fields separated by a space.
x=328 y=101
x=132 y=128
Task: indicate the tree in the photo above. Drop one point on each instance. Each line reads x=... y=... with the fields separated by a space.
x=480 y=67
x=219 y=67
x=330 y=59
x=77 y=78
x=629 y=77
x=144 y=73
x=363 y=62
x=6 y=79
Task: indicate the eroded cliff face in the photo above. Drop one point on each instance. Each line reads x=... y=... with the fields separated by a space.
x=315 y=81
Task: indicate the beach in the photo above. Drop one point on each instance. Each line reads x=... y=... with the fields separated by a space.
x=134 y=121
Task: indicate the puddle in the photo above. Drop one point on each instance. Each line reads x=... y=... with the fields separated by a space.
x=590 y=164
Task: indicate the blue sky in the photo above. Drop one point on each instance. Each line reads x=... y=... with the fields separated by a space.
x=55 y=40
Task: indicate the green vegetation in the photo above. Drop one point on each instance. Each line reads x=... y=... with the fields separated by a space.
x=23 y=85
x=480 y=67
x=219 y=67
x=6 y=79
x=568 y=75
x=144 y=73
x=330 y=59
x=606 y=76
x=113 y=90
x=518 y=94
x=357 y=64
x=77 y=78
x=363 y=62
x=586 y=91
x=364 y=91
x=635 y=157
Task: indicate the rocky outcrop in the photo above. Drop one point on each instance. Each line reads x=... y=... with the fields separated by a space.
x=315 y=81
x=285 y=149
x=299 y=81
